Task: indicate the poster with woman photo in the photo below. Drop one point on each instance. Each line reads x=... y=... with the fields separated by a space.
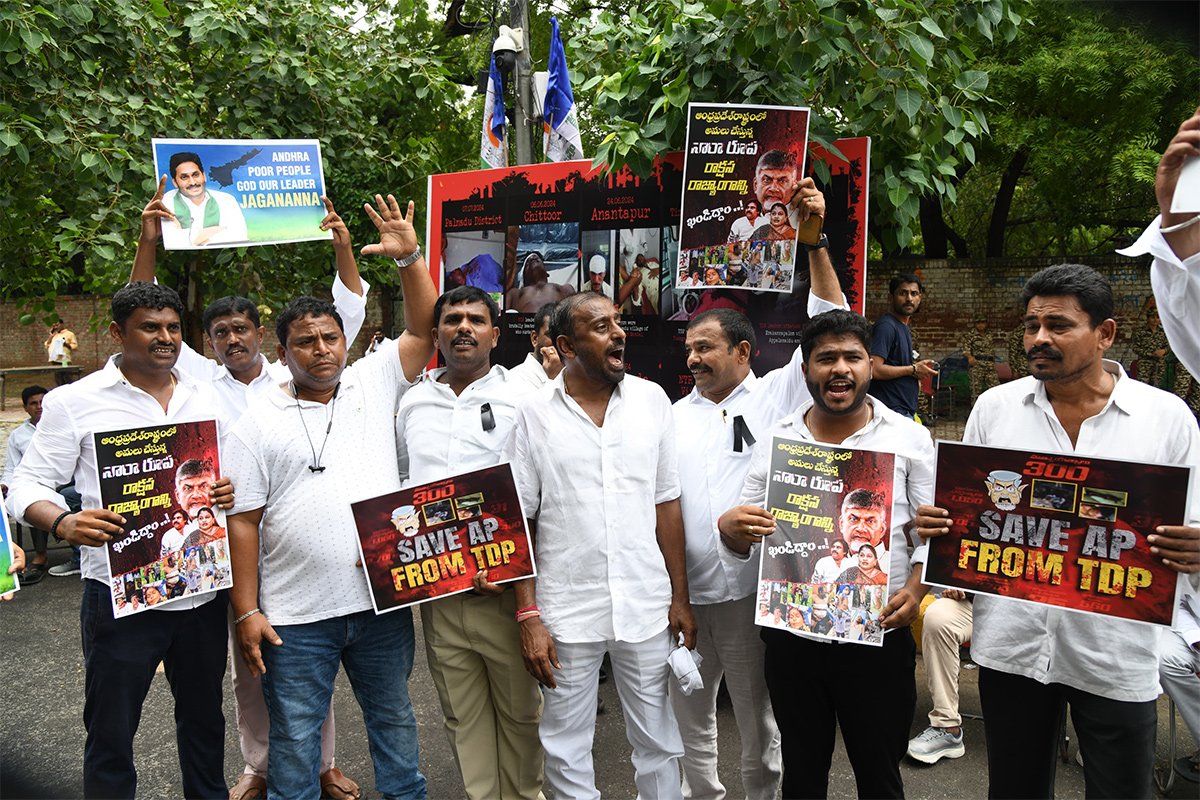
x=824 y=572
x=175 y=542
x=740 y=170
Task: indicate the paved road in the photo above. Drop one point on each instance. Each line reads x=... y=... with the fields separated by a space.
x=41 y=733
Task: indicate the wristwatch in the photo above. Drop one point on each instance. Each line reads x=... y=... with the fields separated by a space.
x=409 y=259
x=821 y=244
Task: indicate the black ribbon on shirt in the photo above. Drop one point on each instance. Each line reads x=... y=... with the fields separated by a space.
x=741 y=433
x=489 y=419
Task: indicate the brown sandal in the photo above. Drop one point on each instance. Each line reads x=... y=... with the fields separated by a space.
x=249 y=787
x=336 y=786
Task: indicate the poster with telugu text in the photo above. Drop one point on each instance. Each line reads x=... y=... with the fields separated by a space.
x=739 y=225
x=8 y=583
x=824 y=571
x=175 y=542
x=241 y=192
x=535 y=233
x=1059 y=529
x=428 y=541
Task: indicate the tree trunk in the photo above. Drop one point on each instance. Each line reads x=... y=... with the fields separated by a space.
x=933 y=227
x=1003 y=205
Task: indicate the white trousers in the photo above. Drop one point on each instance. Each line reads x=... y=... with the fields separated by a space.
x=569 y=718
x=1177 y=667
x=254 y=726
x=946 y=625
x=729 y=642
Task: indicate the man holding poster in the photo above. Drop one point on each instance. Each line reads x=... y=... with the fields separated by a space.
x=298 y=459
x=715 y=429
x=456 y=420
x=874 y=724
x=1035 y=659
x=140 y=384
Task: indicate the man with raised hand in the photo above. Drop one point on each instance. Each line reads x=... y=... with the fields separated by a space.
x=241 y=373
x=594 y=461
x=1174 y=241
x=299 y=456
x=837 y=367
x=1034 y=659
x=138 y=387
x=716 y=426
x=456 y=420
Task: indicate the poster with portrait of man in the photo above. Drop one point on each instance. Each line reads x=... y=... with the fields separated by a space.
x=241 y=192
x=175 y=542
x=742 y=164
x=428 y=541
x=824 y=571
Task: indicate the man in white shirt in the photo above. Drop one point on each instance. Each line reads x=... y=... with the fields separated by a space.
x=743 y=226
x=14 y=451
x=828 y=568
x=594 y=460
x=200 y=216
x=141 y=386
x=456 y=420
x=1174 y=241
x=716 y=426
x=543 y=364
x=298 y=459
x=837 y=367
x=1036 y=659
x=241 y=373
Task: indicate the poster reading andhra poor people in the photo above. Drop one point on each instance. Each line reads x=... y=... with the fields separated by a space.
x=8 y=583
x=1058 y=529
x=739 y=219
x=241 y=192
x=175 y=544
x=824 y=571
x=428 y=541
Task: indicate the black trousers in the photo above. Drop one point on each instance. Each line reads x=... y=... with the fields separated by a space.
x=870 y=692
x=120 y=657
x=1024 y=721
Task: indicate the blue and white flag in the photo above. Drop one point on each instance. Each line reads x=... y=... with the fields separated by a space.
x=493 y=143
x=561 y=140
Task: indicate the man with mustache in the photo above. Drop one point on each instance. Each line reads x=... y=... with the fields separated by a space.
x=594 y=460
x=199 y=216
x=241 y=373
x=142 y=383
x=456 y=420
x=299 y=455
x=716 y=426
x=896 y=375
x=1034 y=659
x=837 y=367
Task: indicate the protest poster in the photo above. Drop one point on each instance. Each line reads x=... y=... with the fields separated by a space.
x=8 y=583
x=241 y=192
x=738 y=227
x=175 y=543
x=533 y=233
x=1058 y=529
x=824 y=571
x=428 y=541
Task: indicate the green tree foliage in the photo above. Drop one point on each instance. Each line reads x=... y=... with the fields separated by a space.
x=903 y=72
x=1087 y=100
x=88 y=83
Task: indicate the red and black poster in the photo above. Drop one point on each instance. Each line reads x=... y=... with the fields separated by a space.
x=532 y=234
x=738 y=224
x=175 y=543
x=428 y=541
x=1058 y=529
x=824 y=571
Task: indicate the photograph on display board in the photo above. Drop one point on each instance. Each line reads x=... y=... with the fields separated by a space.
x=240 y=192
x=1058 y=529
x=175 y=542
x=8 y=583
x=824 y=571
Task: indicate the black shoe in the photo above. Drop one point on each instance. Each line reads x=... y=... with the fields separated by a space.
x=33 y=574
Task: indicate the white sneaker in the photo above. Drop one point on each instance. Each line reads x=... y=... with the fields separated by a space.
x=64 y=569
x=936 y=743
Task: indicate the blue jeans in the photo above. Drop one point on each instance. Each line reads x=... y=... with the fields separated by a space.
x=377 y=652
